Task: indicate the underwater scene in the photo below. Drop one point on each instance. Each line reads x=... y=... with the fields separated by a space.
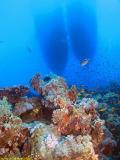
x=59 y=80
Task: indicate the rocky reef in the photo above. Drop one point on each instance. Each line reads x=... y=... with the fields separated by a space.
x=55 y=125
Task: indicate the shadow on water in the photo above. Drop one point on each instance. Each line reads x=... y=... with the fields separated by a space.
x=83 y=30
x=52 y=39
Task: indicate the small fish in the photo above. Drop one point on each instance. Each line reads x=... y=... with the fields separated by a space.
x=36 y=110
x=114 y=109
x=87 y=94
x=47 y=78
x=79 y=94
x=84 y=62
x=113 y=129
x=82 y=90
x=93 y=92
x=17 y=90
x=102 y=109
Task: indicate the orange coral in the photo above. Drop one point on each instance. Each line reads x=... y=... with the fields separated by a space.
x=72 y=128
x=72 y=93
x=71 y=121
x=13 y=93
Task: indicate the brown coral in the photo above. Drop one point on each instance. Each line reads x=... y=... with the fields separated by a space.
x=70 y=128
x=48 y=145
x=35 y=83
x=72 y=93
x=72 y=121
x=73 y=117
x=13 y=93
x=12 y=134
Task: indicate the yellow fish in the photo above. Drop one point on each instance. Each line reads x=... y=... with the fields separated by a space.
x=102 y=110
x=79 y=94
x=36 y=110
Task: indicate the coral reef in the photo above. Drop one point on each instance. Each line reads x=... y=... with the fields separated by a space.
x=55 y=91
x=13 y=93
x=48 y=144
x=109 y=110
x=75 y=117
x=12 y=134
x=28 y=109
x=56 y=125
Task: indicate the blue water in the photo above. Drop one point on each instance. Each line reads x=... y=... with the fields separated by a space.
x=55 y=35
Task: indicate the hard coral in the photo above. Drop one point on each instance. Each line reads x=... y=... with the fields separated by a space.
x=12 y=134
x=72 y=93
x=22 y=107
x=48 y=145
x=88 y=104
x=28 y=109
x=13 y=93
x=35 y=83
x=73 y=121
x=71 y=128
x=5 y=107
x=71 y=116
x=55 y=92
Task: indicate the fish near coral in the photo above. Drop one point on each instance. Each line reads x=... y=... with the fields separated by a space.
x=102 y=109
x=79 y=94
x=84 y=62
x=22 y=107
x=36 y=110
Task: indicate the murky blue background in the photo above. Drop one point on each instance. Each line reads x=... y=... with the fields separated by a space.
x=55 y=35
